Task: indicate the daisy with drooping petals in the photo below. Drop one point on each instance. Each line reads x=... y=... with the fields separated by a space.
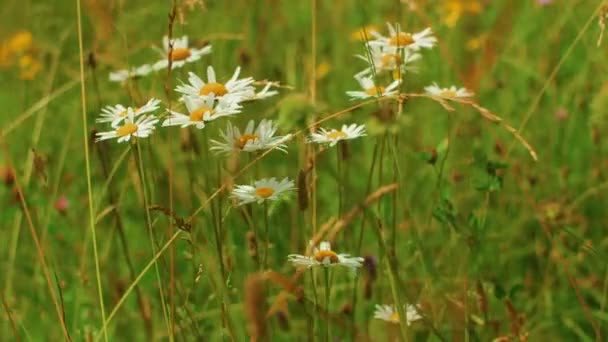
x=140 y=127
x=371 y=90
x=200 y=110
x=126 y=74
x=181 y=53
x=389 y=314
x=404 y=40
x=262 y=138
x=268 y=189
x=333 y=136
x=234 y=90
x=325 y=256
x=264 y=93
x=448 y=93
x=389 y=59
x=116 y=114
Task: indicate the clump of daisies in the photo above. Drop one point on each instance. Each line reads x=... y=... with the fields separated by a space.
x=127 y=122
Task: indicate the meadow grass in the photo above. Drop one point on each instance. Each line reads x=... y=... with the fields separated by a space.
x=483 y=217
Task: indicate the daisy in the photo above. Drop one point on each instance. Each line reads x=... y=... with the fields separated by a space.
x=387 y=313
x=325 y=256
x=201 y=110
x=382 y=58
x=264 y=93
x=262 y=138
x=181 y=53
x=125 y=74
x=404 y=40
x=333 y=136
x=116 y=114
x=268 y=189
x=140 y=127
x=234 y=90
x=371 y=90
x=447 y=93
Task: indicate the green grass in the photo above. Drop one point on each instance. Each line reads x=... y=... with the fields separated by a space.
x=487 y=240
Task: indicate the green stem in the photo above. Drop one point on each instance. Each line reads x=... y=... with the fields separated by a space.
x=266 y=236
x=327 y=295
x=151 y=235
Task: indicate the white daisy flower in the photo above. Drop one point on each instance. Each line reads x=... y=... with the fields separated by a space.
x=262 y=138
x=140 y=127
x=116 y=114
x=387 y=313
x=389 y=59
x=325 y=256
x=371 y=90
x=234 y=90
x=399 y=39
x=200 y=110
x=181 y=54
x=447 y=93
x=333 y=136
x=264 y=93
x=268 y=189
x=125 y=74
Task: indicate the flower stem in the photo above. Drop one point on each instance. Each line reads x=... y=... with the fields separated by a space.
x=327 y=294
x=142 y=179
x=266 y=236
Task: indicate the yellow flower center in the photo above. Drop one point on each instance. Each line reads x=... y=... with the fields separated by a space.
x=264 y=192
x=374 y=91
x=217 y=88
x=401 y=39
x=320 y=256
x=335 y=135
x=242 y=141
x=197 y=115
x=179 y=54
x=390 y=59
x=126 y=129
x=447 y=94
x=394 y=317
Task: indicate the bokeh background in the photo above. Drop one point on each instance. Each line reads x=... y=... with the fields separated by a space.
x=491 y=243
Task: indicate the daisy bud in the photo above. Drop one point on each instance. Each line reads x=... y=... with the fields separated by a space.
x=252 y=245
x=7 y=175
x=62 y=205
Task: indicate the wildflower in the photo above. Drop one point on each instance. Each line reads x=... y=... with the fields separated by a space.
x=404 y=40
x=140 y=127
x=387 y=313
x=234 y=90
x=262 y=138
x=268 y=189
x=181 y=53
x=201 y=110
x=447 y=93
x=325 y=256
x=363 y=33
x=125 y=74
x=453 y=10
x=264 y=93
x=29 y=67
x=333 y=136
x=117 y=113
x=383 y=58
x=371 y=90
x=62 y=204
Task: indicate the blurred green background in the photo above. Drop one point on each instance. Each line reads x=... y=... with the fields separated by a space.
x=491 y=243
